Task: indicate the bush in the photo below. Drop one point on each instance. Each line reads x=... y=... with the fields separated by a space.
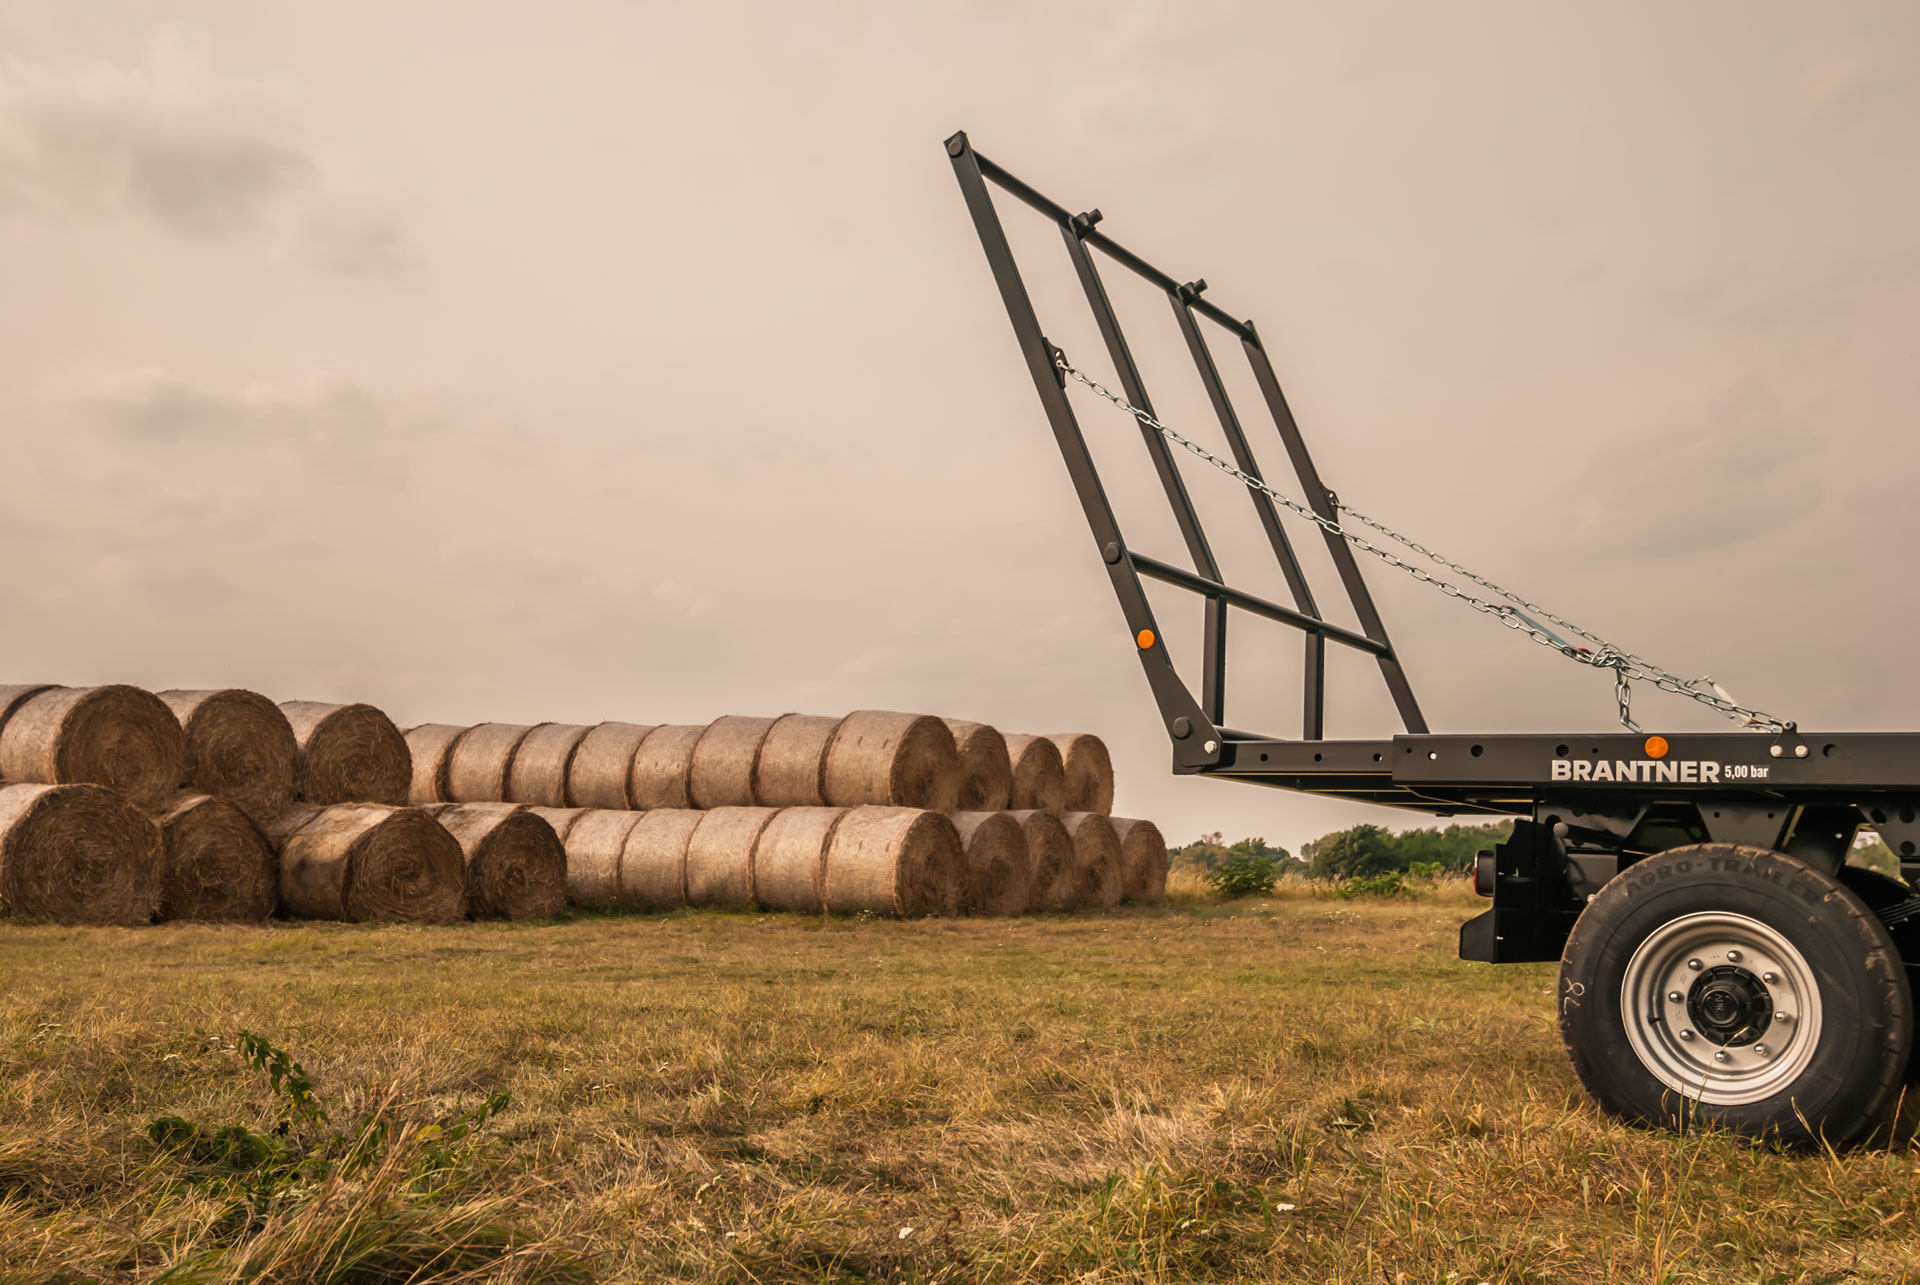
x=1244 y=874
x=1388 y=884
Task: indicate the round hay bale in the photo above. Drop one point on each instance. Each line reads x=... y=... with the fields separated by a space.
x=516 y=868
x=362 y=862
x=998 y=871
x=1089 y=771
x=893 y=861
x=214 y=863
x=120 y=737
x=1143 y=860
x=720 y=857
x=593 y=844
x=539 y=772
x=430 y=746
x=662 y=767
x=239 y=746
x=1039 y=777
x=1096 y=859
x=11 y=697
x=789 y=862
x=1053 y=883
x=349 y=754
x=478 y=764
x=561 y=819
x=653 y=867
x=597 y=776
x=793 y=762
x=721 y=774
x=892 y=760
x=77 y=854
x=986 y=770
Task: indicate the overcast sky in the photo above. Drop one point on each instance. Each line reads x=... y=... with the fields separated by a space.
x=639 y=361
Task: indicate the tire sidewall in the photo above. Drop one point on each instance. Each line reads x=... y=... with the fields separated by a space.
x=1866 y=1020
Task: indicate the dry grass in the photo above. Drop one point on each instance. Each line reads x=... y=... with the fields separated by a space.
x=1291 y=1089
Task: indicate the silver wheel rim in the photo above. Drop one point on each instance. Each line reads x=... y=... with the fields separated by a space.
x=1691 y=1004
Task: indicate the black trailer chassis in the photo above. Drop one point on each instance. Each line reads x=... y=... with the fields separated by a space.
x=1719 y=960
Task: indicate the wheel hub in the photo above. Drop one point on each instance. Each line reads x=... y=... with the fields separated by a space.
x=1730 y=1006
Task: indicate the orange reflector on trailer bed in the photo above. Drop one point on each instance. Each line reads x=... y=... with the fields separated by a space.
x=1656 y=747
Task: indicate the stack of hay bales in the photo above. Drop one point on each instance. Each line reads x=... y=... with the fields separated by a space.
x=877 y=812
x=121 y=807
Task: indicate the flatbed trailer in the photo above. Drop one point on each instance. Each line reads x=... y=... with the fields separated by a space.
x=1720 y=961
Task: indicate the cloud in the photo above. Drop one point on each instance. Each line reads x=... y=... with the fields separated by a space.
x=166 y=144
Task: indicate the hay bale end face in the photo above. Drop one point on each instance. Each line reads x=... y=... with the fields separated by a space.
x=663 y=767
x=653 y=866
x=720 y=857
x=119 y=737
x=363 y=862
x=602 y=762
x=516 y=866
x=1143 y=860
x=478 y=764
x=215 y=865
x=77 y=854
x=998 y=873
x=594 y=844
x=792 y=769
x=540 y=765
x=986 y=769
x=1089 y=770
x=789 y=862
x=430 y=746
x=1039 y=777
x=893 y=861
x=1054 y=878
x=721 y=772
x=1096 y=859
x=349 y=754
x=885 y=759
x=239 y=747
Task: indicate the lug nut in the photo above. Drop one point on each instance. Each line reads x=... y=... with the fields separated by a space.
x=1686 y=1035
x=1733 y=956
x=1769 y=978
x=1720 y=1055
x=1783 y=1017
x=1694 y=964
x=1674 y=997
x=1761 y=1049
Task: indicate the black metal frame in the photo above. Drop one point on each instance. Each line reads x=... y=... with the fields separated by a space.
x=1595 y=801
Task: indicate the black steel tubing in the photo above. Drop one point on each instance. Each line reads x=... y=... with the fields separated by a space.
x=1154 y=569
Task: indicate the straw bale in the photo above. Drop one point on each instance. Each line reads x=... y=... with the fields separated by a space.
x=998 y=870
x=362 y=862
x=662 y=767
x=561 y=819
x=653 y=868
x=214 y=864
x=1039 y=777
x=349 y=754
x=594 y=842
x=721 y=773
x=1089 y=771
x=893 y=861
x=986 y=770
x=120 y=737
x=539 y=773
x=77 y=854
x=479 y=762
x=720 y=857
x=793 y=762
x=516 y=867
x=1096 y=859
x=597 y=777
x=789 y=862
x=1143 y=859
x=430 y=747
x=892 y=760
x=239 y=747
x=1054 y=882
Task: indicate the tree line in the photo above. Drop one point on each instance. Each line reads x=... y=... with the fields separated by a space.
x=1355 y=852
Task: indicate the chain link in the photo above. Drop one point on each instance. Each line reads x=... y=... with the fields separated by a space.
x=1516 y=612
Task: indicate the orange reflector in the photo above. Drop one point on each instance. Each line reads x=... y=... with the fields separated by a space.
x=1656 y=747
x=1144 y=638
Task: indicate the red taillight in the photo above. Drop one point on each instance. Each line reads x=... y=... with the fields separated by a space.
x=1483 y=871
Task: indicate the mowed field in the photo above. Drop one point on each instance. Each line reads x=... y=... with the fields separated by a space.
x=1291 y=1089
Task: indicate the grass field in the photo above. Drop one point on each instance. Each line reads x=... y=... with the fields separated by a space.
x=1291 y=1089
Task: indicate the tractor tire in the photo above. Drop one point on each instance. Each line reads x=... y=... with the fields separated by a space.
x=1736 y=988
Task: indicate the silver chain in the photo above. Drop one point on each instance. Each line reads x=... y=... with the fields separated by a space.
x=1516 y=612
